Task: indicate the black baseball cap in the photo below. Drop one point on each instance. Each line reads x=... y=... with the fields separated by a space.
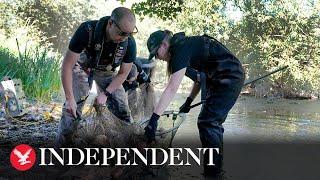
x=154 y=41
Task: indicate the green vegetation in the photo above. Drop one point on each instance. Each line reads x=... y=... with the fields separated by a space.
x=165 y=9
x=55 y=19
x=280 y=33
x=36 y=67
x=266 y=34
x=269 y=34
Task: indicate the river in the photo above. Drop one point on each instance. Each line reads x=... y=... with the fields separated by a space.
x=264 y=139
x=259 y=119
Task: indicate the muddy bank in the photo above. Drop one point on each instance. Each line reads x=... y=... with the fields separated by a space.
x=271 y=92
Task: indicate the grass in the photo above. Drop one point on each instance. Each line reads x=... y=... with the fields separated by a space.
x=37 y=67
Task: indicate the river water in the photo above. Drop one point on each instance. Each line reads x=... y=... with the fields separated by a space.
x=251 y=118
x=264 y=139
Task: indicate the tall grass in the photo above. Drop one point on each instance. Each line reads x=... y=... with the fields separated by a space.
x=37 y=67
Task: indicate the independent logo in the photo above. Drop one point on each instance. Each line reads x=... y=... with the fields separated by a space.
x=22 y=157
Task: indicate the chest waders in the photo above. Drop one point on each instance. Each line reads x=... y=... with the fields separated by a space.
x=95 y=49
x=204 y=74
x=97 y=43
x=102 y=72
x=200 y=76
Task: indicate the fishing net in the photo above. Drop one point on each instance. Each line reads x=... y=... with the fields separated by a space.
x=98 y=127
x=142 y=101
x=107 y=130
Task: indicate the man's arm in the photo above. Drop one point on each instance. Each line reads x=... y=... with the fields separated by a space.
x=69 y=61
x=170 y=91
x=116 y=82
x=125 y=67
x=120 y=77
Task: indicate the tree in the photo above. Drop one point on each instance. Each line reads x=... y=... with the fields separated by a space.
x=164 y=9
x=278 y=33
x=55 y=19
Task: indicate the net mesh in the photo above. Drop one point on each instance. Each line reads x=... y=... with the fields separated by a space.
x=100 y=128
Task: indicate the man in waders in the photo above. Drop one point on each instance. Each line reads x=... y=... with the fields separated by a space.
x=95 y=51
x=139 y=88
x=140 y=74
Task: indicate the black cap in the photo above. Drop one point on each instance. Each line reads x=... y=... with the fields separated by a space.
x=154 y=41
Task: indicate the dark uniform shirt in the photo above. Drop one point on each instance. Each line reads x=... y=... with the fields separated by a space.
x=80 y=42
x=185 y=51
x=190 y=52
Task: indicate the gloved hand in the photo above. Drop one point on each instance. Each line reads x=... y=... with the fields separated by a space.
x=130 y=86
x=150 y=129
x=143 y=78
x=185 y=108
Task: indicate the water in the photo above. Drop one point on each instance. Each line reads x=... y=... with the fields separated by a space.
x=281 y=128
x=261 y=120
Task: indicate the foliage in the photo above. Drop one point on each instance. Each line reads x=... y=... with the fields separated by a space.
x=56 y=19
x=266 y=34
x=37 y=67
x=270 y=34
x=165 y=9
x=278 y=33
x=199 y=17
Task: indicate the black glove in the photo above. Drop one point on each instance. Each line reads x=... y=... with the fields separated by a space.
x=185 y=108
x=127 y=86
x=150 y=129
x=143 y=78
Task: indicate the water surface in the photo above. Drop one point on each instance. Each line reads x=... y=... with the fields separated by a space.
x=257 y=119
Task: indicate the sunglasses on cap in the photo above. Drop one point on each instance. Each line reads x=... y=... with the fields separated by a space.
x=122 y=33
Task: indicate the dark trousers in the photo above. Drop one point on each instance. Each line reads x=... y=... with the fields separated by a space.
x=221 y=95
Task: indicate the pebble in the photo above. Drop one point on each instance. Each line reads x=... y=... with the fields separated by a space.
x=32 y=118
x=13 y=128
x=38 y=135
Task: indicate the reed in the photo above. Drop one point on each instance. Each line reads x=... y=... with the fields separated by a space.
x=38 y=68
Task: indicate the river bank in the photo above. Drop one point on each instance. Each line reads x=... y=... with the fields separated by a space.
x=262 y=121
